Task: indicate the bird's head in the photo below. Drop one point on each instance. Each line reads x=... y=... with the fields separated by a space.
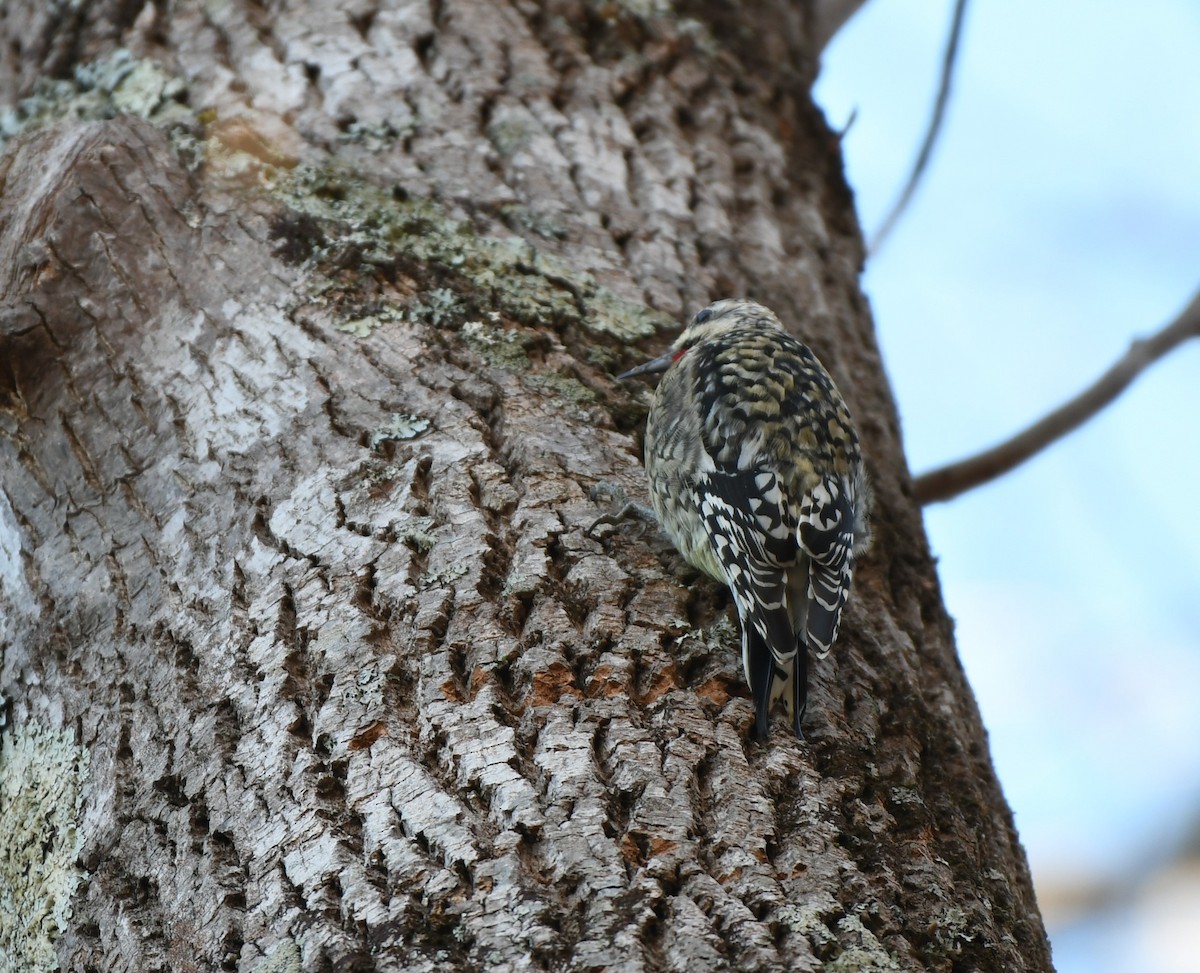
x=717 y=318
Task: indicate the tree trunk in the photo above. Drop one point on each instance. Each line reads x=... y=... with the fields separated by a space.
x=311 y=660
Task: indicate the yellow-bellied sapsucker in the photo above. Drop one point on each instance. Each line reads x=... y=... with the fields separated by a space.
x=755 y=473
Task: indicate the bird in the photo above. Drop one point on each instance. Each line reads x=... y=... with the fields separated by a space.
x=757 y=476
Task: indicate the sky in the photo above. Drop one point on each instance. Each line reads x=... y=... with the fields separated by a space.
x=1058 y=221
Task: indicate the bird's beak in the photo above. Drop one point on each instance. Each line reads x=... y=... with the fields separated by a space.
x=659 y=364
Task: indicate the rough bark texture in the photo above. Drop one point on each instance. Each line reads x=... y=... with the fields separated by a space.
x=309 y=658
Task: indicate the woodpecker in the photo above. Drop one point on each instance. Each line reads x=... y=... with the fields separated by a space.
x=756 y=475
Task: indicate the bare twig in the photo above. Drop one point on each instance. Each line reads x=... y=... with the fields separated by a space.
x=949 y=59
x=949 y=481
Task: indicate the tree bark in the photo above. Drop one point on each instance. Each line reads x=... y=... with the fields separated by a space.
x=310 y=658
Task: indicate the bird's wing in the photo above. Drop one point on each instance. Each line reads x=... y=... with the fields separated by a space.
x=752 y=534
x=826 y=532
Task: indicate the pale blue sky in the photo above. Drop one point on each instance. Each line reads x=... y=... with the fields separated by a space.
x=1059 y=220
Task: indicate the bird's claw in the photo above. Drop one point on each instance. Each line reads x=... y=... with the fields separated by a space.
x=622 y=508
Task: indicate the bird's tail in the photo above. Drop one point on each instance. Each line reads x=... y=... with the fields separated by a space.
x=773 y=657
x=794 y=685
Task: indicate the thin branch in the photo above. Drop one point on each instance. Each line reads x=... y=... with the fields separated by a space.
x=949 y=481
x=949 y=60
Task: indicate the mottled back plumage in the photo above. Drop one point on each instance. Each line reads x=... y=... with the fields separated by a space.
x=756 y=474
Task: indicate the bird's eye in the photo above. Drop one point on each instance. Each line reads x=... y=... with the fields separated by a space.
x=702 y=316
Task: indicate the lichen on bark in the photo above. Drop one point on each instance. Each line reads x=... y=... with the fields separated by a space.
x=43 y=783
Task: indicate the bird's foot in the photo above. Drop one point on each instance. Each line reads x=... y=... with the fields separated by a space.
x=622 y=508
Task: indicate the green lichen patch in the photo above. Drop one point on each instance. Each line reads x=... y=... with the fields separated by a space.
x=862 y=952
x=354 y=223
x=611 y=316
x=284 y=958
x=337 y=221
x=568 y=390
x=500 y=347
x=417 y=532
x=846 y=946
x=118 y=83
x=362 y=317
x=43 y=775
x=362 y=327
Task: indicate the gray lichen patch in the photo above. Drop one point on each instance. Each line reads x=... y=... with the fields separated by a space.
x=43 y=775
x=117 y=83
x=399 y=426
x=441 y=579
x=438 y=307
